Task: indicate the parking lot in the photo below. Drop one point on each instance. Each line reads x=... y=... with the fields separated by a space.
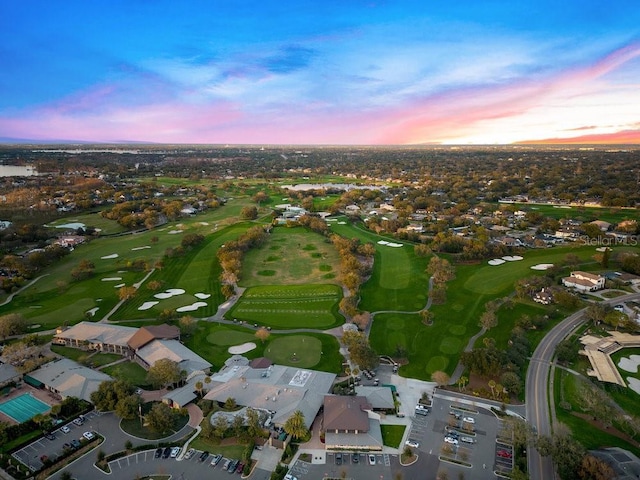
x=149 y=462
x=64 y=439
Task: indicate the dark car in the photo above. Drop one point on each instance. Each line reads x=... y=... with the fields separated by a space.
x=355 y=458
x=49 y=436
x=232 y=466
x=203 y=456
x=67 y=446
x=166 y=452
x=158 y=453
x=240 y=467
x=338 y=459
x=75 y=443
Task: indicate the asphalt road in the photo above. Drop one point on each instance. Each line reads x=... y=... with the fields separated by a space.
x=537 y=386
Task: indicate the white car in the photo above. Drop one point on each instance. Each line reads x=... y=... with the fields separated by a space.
x=65 y=429
x=174 y=452
x=412 y=443
x=372 y=459
x=88 y=435
x=288 y=476
x=469 y=420
x=451 y=440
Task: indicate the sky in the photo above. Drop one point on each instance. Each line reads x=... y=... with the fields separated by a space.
x=320 y=72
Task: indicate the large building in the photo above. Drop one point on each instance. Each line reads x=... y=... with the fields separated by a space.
x=144 y=345
x=276 y=389
x=67 y=379
x=351 y=424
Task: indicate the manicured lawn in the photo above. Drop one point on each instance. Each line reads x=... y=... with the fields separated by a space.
x=290 y=306
x=585 y=214
x=100 y=359
x=73 y=353
x=300 y=350
x=195 y=272
x=398 y=280
x=129 y=371
x=95 y=220
x=392 y=435
x=227 y=451
x=57 y=296
x=588 y=435
x=290 y=256
x=212 y=342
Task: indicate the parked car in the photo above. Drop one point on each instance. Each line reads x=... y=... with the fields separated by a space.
x=65 y=429
x=78 y=421
x=75 y=443
x=467 y=439
x=451 y=440
x=216 y=459
x=412 y=443
x=372 y=459
x=226 y=464
x=338 y=458
x=49 y=436
x=288 y=476
x=355 y=458
x=504 y=453
x=240 y=467
x=232 y=466
x=166 y=452
x=455 y=414
x=88 y=435
x=469 y=420
x=189 y=453
x=203 y=456
x=175 y=451
x=44 y=458
x=158 y=453
x=67 y=446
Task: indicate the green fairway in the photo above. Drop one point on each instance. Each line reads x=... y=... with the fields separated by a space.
x=294 y=256
x=580 y=213
x=295 y=350
x=104 y=225
x=398 y=280
x=493 y=279
x=212 y=342
x=289 y=306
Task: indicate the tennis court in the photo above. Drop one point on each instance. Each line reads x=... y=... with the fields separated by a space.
x=23 y=407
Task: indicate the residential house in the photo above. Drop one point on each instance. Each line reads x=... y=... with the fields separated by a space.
x=543 y=296
x=584 y=281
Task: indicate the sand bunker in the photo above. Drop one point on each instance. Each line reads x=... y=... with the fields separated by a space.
x=634 y=384
x=169 y=293
x=74 y=225
x=173 y=232
x=108 y=257
x=630 y=364
x=112 y=279
x=383 y=242
x=140 y=248
x=394 y=245
x=512 y=258
x=147 y=305
x=542 y=266
x=120 y=285
x=496 y=261
x=602 y=249
x=192 y=307
x=93 y=311
x=202 y=296
x=240 y=349
x=204 y=223
x=342 y=223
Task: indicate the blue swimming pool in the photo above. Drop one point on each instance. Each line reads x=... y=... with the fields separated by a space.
x=23 y=407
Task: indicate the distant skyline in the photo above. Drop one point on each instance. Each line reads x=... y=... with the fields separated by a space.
x=320 y=72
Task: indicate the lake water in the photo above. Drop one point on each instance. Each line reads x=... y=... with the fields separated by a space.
x=17 y=170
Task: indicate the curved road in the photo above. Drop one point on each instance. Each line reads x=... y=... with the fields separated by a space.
x=537 y=386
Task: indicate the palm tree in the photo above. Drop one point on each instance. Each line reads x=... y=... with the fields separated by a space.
x=295 y=425
x=462 y=382
x=492 y=386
